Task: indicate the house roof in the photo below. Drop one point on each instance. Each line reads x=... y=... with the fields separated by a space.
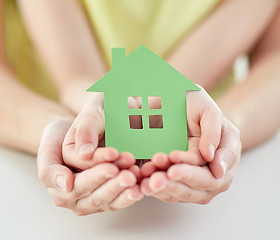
x=141 y=70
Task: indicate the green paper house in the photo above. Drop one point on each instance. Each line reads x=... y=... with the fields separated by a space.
x=146 y=129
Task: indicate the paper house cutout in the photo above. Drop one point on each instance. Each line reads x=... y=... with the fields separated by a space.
x=144 y=75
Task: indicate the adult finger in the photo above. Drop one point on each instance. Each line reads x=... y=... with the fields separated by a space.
x=228 y=153
x=89 y=180
x=106 y=193
x=195 y=177
x=127 y=198
x=204 y=121
x=211 y=124
x=51 y=169
x=179 y=192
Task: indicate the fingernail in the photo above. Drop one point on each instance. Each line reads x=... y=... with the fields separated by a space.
x=212 y=149
x=110 y=155
x=109 y=175
x=224 y=166
x=86 y=149
x=177 y=178
x=160 y=188
x=123 y=184
x=130 y=197
x=60 y=182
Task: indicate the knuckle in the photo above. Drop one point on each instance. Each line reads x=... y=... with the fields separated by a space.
x=98 y=203
x=80 y=213
x=186 y=196
x=234 y=153
x=98 y=115
x=169 y=199
x=214 y=185
x=205 y=201
x=43 y=176
x=60 y=202
x=112 y=209
x=236 y=131
x=121 y=204
x=82 y=192
x=109 y=170
x=225 y=187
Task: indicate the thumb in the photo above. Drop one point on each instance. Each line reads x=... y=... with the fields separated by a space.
x=228 y=153
x=89 y=126
x=51 y=171
x=204 y=121
x=211 y=125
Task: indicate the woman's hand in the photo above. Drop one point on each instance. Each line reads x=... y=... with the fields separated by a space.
x=207 y=168
x=103 y=187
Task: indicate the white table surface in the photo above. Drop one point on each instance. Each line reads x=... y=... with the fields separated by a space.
x=249 y=210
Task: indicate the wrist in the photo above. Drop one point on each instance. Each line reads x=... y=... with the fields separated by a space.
x=74 y=95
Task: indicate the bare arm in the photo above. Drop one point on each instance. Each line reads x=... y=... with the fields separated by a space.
x=209 y=52
x=254 y=105
x=23 y=114
x=63 y=37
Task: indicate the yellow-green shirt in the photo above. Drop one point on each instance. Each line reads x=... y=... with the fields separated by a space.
x=158 y=24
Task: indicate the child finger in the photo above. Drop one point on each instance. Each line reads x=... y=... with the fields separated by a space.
x=125 y=160
x=161 y=161
x=89 y=127
x=157 y=185
x=136 y=171
x=148 y=169
x=100 y=155
x=192 y=156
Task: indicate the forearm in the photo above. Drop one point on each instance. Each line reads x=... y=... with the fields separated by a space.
x=254 y=105
x=64 y=39
x=24 y=114
x=208 y=53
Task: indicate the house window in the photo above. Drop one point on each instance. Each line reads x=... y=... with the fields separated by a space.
x=146 y=114
x=135 y=122
x=155 y=121
x=154 y=102
x=134 y=102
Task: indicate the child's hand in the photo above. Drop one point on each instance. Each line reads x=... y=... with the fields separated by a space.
x=82 y=147
x=184 y=176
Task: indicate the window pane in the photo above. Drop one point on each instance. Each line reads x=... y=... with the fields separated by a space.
x=134 y=102
x=154 y=102
x=155 y=121
x=135 y=122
